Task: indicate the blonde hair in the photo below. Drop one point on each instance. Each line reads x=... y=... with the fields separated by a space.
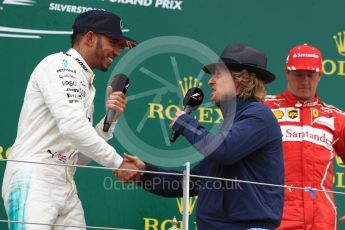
x=249 y=85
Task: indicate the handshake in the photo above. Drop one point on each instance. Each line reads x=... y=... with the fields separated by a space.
x=125 y=174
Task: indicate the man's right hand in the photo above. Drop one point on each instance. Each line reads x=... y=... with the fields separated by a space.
x=134 y=159
x=130 y=162
x=116 y=101
x=124 y=175
x=177 y=115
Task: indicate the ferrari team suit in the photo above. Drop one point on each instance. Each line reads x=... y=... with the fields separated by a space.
x=313 y=133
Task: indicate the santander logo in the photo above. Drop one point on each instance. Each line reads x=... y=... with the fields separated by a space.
x=303 y=55
x=307 y=133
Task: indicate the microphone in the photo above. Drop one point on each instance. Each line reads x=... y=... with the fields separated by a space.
x=191 y=102
x=120 y=82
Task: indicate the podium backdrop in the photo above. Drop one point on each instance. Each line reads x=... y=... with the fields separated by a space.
x=177 y=38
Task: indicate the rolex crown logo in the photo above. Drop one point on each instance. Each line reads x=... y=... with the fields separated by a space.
x=191 y=204
x=188 y=83
x=340 y=41
x=339 y=161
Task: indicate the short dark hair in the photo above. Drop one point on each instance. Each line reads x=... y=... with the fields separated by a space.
x=76 y=38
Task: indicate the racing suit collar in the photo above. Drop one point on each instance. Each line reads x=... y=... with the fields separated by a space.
x=298 y=102
x=88 y=71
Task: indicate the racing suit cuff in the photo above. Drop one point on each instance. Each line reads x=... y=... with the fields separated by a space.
x=105 y=135
x=118 y=161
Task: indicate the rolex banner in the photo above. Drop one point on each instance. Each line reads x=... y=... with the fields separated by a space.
x=177 y=37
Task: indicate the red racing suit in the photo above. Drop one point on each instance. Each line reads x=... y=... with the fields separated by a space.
x=313 y=133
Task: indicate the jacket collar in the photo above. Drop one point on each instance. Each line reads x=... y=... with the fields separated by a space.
x=241 y=103
x=87 y=70
x=232 y=109
x=299 y=102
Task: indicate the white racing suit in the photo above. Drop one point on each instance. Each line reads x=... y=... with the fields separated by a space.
x=55 y=126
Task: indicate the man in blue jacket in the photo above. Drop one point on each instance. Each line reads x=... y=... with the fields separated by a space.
x=248 y=147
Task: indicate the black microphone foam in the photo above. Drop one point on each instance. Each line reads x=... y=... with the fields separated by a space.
x=120 y=82
x=192 y=100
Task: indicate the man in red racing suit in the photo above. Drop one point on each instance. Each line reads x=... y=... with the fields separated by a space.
x=313 y=133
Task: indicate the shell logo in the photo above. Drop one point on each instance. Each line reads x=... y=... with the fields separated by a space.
x=278 y=114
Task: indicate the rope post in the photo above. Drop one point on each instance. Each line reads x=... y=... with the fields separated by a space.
x=186 y=179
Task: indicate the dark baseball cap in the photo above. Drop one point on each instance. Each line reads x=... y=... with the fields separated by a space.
x=102 y=22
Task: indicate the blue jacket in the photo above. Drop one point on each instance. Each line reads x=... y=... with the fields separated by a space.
x=248 y=147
